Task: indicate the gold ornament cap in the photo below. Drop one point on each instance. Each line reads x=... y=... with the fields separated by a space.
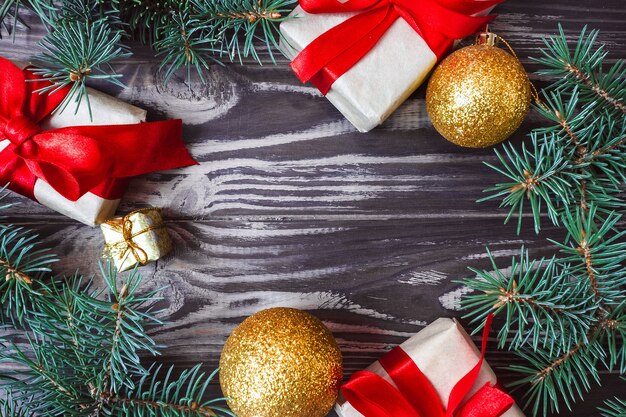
x=281 y=362
x=479 y=95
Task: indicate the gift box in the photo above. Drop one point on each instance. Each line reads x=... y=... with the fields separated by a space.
x=437 y=369
x=369 y=56
x=78 y=162
x=137 y=238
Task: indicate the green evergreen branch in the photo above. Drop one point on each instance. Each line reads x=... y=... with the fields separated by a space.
x=76 y=51
x=565 y=316
x=540 y=175
x=549 y=382
x=614 y=408
x=582 y=67
x=77 y=349
x=235 y=25
x=10 y=14
x=183 y=396
x=85 y=37
x=9 y=408
x=182 y=44
x=539 y=300
x=22 y=265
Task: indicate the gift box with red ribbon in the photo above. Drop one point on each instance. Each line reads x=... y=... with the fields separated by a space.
x=438 y=372
x=78 y=163
x=369 y=56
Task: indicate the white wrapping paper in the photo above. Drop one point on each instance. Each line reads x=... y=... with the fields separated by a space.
x=106 y=110
x=382 y=80
x=444 y=352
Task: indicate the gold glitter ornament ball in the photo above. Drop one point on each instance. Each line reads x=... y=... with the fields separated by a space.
x=478 y=96
x=281 y=362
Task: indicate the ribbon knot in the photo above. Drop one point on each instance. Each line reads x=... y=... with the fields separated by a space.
x=129 y=239
x=127 y=245
x=19 y=129
x=333 y=53
x=78 y=159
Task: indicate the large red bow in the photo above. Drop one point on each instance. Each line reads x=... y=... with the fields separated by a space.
x=75 y=160
x=373 y=396
x=438 y=22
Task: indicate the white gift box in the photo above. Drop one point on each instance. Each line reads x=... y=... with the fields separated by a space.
x=139 y=237
x=383 y=79
x=444 y=352
x=106 y=110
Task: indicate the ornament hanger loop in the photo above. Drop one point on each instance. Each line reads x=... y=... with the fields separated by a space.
x=489 y=38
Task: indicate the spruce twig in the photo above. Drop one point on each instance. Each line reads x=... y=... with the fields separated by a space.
x=77 y=348
x=566 y=316
x=87 y=37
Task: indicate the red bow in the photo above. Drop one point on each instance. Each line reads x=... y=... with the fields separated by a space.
x=76 y=160
x=373 y=396
x=332 y=54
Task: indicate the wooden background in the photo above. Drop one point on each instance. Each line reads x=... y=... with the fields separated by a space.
x=291 y=206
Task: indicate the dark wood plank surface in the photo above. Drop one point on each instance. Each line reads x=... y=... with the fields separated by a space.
x=291 y=206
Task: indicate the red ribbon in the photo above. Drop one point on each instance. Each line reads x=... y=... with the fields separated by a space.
x=373 y=396
x=332 y=54
x=80 y=159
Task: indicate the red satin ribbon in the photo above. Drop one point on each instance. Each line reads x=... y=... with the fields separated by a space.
x=80 y=159
x=332 y=54
x=373 y=396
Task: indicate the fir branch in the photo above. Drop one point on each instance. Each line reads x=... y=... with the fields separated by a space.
x=9 y=408
x=540 y=301
x=122 y=317
x=182 y=397
x=582 y=67
x=566 y=316
x=182 y=43
x=83 y=356
x=76 y=51
x=11 y=14
x=614 y=408
x=22 y=264
x=539 y=175
x=595 y=87
x=237 y=24
x=85 y=37
x=77 y=350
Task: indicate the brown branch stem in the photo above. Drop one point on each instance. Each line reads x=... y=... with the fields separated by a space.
x=585 y=79
x=14 y=273
x=116 y=334
x=252 y=15
x=43 y=372
x=510 y=296
x=609 y=148
x=593 y=333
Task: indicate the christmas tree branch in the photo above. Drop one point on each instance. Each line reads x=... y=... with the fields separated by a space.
x=251 y=15
x=565 y=317
x=595 y=87
x=14 y=273
x=159 y=406
x=614 y=408
x=152 y=399
x=117 y=332
x=86 y=37
x=595 y=333
x=77 y=349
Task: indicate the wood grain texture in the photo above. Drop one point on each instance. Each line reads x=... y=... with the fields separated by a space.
x=291 y=206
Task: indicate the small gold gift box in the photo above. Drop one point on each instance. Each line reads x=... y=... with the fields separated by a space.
x=136 y=238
